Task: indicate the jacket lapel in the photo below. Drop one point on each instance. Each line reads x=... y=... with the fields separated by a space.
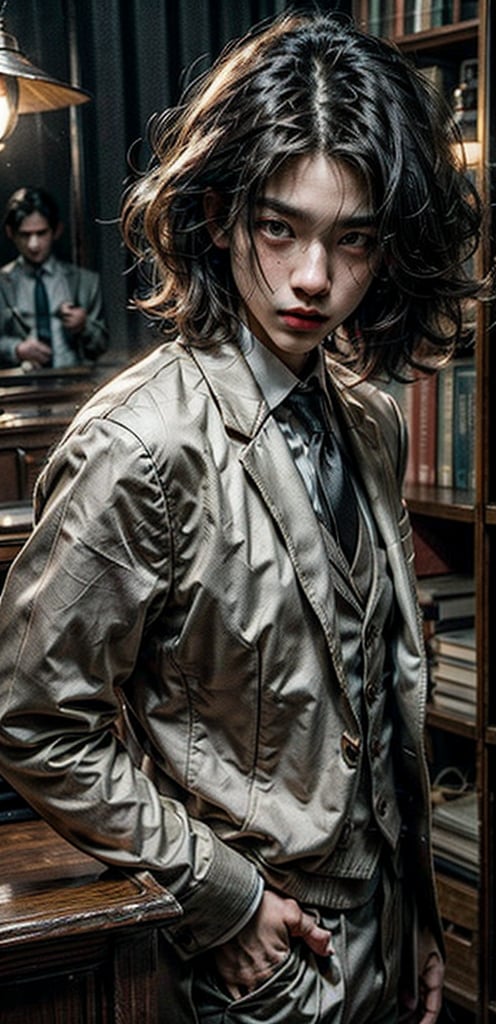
x=72 y=276
x=379 y=477
x=7 y=286
x=267 y=460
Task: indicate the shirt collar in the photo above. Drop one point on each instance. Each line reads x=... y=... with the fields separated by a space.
x=274 y=379
x=48 y=267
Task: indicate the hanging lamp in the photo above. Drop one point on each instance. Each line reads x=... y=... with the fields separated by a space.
x=26 y=89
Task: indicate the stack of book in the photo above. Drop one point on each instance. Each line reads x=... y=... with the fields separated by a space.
x=447 y=601
x=454 y=671
x=455 y=840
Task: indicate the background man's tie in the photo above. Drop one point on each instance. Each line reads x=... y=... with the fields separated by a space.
x=42 y=309
x=336 y=491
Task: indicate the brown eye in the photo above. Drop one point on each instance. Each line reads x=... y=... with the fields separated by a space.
x=358 y=240
x=273 y=228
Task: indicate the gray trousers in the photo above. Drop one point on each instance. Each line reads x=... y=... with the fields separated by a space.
x=358 y=985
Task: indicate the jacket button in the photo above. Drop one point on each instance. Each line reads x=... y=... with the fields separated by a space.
x=184 y=937
x=370 y=693
x=382 y=807
x=350 y=749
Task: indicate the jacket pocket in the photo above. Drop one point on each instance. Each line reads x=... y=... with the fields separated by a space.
x=296 y=991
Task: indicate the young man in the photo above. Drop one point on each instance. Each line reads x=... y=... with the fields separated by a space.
x=51 y=312
x=222 y=547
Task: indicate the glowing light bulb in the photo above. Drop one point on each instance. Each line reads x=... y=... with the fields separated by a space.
x=9 y=98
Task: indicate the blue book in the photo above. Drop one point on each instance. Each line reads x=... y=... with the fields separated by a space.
x=464 y=426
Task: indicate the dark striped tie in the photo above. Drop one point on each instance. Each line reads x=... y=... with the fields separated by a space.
x=337 y=496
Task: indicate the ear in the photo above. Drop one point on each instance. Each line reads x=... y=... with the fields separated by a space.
x=213 y=206
x=58 y=231
x=9 y=232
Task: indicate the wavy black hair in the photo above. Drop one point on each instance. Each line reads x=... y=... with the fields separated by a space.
x=309 y=84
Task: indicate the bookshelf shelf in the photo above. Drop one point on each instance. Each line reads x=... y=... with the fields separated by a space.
x=454 y=529
x=451 y=723
x=490 y=737
x=491 y=515
x=444 y=35
x=441 y=502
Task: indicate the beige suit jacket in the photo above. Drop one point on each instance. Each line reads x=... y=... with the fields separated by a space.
x=177 y=560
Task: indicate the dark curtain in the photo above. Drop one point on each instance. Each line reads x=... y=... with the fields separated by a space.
x=134 y=56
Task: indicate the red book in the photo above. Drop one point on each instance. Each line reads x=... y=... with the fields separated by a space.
x=426 y=427
x=410 y=409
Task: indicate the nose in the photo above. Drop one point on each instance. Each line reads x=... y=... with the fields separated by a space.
x=311 y=272
x=33 y=243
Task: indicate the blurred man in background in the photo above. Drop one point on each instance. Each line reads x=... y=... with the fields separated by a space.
x=51 y=312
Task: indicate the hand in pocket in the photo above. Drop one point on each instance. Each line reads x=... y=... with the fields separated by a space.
x=251 y=956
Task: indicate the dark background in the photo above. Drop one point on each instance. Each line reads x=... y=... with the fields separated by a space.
x=133 y=56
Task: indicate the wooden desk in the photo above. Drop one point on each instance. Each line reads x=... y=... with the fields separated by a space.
x=35 y=409
x=15 y=527
x=78 y=945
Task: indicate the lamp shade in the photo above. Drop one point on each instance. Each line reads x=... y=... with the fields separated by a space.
x=36 y=91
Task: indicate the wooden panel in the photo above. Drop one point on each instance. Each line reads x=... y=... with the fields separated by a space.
x=9 y=482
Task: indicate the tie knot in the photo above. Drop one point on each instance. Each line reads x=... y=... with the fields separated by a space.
x=308 y=406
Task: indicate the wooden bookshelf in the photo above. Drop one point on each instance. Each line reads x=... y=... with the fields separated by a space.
x=456 y=528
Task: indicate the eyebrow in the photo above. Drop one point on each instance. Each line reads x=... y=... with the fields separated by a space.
x=357 y=220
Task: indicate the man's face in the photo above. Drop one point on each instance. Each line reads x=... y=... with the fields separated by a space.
x=33 y=239
x=316 y=254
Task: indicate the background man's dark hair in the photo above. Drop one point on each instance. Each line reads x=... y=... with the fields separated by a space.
x=25 y=201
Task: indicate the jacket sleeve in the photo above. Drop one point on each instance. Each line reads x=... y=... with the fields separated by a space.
x=90 y=581
x=93 y=340
x=8 y=351
x=11 y=332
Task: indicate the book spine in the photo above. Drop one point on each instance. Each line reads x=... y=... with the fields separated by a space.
x=463 y=429
x=374 y=22
x=411 y=411
x=409 y=24
x=444 y=473
x=426 y=427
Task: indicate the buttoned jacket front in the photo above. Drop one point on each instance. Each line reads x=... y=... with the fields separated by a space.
x=179 y=563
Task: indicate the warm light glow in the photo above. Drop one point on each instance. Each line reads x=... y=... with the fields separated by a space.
x=472 y=150
x=9 y=95
x=469 y=152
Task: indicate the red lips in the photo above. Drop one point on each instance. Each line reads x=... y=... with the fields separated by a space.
x=301 y=319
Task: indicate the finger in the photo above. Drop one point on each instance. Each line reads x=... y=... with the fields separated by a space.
x=234 y=991
x=430 y=1016
x=317 y=938
x=432 y=1003
x=43 y=351
x=432 y=982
